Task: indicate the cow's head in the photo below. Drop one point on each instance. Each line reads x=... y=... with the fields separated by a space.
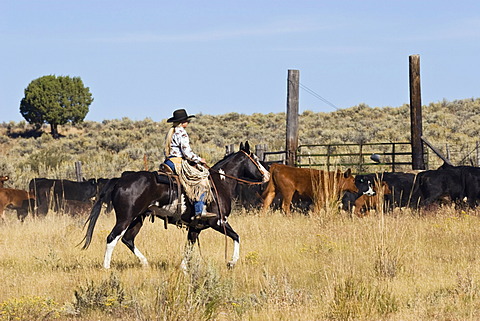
x=365 y=184
x=347 y=182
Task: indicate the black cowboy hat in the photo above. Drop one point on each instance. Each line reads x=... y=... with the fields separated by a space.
x=179 y=115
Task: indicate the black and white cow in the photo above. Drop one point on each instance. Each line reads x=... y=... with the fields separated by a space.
x=400 y=184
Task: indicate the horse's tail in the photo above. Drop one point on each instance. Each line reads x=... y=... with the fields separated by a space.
x=105 y=197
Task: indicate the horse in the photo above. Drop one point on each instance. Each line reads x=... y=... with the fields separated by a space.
x=135 y=195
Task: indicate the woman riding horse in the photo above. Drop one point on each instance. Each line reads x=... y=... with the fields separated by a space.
x=179 y=155
x=134 y=192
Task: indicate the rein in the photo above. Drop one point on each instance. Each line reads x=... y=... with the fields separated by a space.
x=239 y=179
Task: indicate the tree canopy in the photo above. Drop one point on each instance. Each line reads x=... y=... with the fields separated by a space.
x=56 y=101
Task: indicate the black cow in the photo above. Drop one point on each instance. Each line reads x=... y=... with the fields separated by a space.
x=401 y=184
x=53 y=192
x=471 y=181
x=433 y=186
x=454 y=182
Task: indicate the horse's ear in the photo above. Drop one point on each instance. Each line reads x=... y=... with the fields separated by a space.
x=247 y=147
x=241 y=146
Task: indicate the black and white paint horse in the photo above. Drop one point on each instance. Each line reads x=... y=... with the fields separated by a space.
x=135 y=195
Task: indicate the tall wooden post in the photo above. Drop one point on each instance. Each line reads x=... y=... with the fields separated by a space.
x=416 y=113
x=293 y=83
x=78 y=171
x=260 y=150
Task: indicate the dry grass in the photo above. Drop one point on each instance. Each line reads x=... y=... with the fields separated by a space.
x=400 y=266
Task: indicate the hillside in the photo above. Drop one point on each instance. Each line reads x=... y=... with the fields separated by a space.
x=112 y=146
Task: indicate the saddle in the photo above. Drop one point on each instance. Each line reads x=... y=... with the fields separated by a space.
x=166 y=169
x=165 y=175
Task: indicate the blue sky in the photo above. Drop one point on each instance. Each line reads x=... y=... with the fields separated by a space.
x=146 y=58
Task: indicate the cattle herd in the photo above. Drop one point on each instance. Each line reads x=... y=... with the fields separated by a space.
x=288 y=187
x=448 y=184
x=61 y=195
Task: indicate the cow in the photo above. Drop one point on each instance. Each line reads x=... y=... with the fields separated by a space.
x=454 y=182
x=2 y=180
x=14 y=199
x=315 y=184
x=364 y=185
x=249 y=197
x=432 y=186
x=367 y=202
x=401 y=185
x=55 y=191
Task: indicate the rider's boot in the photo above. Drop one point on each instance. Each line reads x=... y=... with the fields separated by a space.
x=201 y=212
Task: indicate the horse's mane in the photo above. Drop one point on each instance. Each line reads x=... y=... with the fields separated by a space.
x=224 y=160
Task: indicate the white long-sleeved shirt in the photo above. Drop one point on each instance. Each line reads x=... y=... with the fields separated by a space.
x=180 y=146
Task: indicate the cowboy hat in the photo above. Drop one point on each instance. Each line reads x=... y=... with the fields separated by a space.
x=179 y=116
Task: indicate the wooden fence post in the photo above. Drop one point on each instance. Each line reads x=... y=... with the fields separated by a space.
x=78 y=171
x=393 y=157
x=293 y=84
x=478 y=153
x=229 y=149
x=416 y=113
x=260 y=151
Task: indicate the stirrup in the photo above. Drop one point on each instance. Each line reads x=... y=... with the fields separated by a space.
x=205 y=216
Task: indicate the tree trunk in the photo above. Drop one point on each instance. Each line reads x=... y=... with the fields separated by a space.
x=54 y=130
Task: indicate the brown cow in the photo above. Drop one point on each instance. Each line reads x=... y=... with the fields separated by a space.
x=365 y=202
x=3 y=179
x=13 y=198
x=313 y=183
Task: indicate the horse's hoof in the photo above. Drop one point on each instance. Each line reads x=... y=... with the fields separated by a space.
x=230 y=265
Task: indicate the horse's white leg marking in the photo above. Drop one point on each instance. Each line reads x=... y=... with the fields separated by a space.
x=236 y=253
x=109 y=250
x=186 y=258
x=140 y=256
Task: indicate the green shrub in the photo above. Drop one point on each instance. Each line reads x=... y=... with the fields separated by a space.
x=108 y=296
x=29 y=308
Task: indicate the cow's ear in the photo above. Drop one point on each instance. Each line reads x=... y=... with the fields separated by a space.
x=241 y=146
x=247 y=147
x=348 y=173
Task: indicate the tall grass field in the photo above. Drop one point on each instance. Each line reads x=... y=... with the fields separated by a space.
x=326 y=265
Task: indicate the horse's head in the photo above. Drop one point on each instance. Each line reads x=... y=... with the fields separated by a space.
x=254 y=167
x=243 y=165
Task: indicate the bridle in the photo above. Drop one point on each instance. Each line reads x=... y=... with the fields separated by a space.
x=239 y=179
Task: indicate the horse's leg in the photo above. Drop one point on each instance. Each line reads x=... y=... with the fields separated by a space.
x=228 y=230
x=192 y=238
x=129 y=238
x=112 y=239
x=2 y=210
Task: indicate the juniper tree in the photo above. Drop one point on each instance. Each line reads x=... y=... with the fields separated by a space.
x=56 y=101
